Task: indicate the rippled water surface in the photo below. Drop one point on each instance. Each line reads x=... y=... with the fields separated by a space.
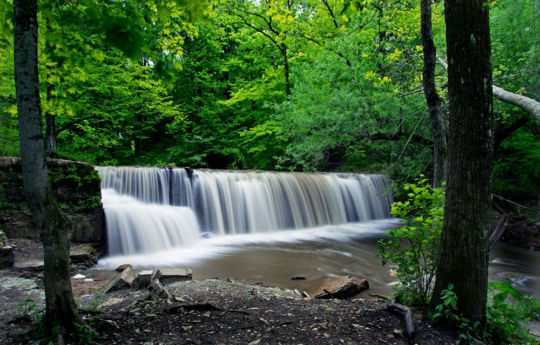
x=350 y=249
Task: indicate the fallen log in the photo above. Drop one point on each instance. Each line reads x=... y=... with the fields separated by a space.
x=409 y=319
x=499 y=230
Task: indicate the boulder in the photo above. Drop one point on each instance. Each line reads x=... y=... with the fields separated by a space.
x=341 y=287
x=144 y=278
x=3 y=239
x=123 y=267
x=121 y=280
x=82 y=254
x=158 y=291
x=172 y=275
x=6 y=257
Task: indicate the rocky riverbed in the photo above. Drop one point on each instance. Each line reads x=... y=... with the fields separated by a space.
x=219 y=312
x=210 y=311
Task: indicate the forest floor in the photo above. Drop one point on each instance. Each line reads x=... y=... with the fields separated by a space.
x=206 y=312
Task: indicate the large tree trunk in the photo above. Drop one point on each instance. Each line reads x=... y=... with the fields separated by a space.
x=432 y=97
x=464 y=248
x=54 y=228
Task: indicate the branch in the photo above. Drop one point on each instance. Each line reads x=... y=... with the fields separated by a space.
x=502 y=133
x=530 y=105
x=331 y=13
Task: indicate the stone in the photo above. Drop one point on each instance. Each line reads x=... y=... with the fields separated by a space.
x=123 y=267
x=172 y=275
x=78 y=276
x=121 y=280
x=158 y=291
x=6 y=257
x=144 y=278
x=298 y=278
x=3 y=239
x=83 y=198
x=82 y=254
x=341 y=287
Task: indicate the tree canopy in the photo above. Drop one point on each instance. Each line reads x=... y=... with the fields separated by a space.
x=282 y=84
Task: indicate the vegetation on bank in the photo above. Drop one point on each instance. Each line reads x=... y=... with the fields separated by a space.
x=413 y=251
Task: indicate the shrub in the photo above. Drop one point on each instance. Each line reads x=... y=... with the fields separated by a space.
x=414 y=247
x=504 y=318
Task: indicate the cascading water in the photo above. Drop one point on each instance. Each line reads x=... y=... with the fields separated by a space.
x=154 y=209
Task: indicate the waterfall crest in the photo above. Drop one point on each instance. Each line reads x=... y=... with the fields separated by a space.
x=150 y=209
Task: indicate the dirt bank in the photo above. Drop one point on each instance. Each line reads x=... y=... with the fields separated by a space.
x=214 y=312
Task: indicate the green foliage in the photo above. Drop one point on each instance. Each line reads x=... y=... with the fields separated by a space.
x=414 y=248
x=447 y=312
x=505 y=317
x=517 y=165
x=507 y=310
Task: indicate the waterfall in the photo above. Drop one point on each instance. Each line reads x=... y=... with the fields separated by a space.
x=151 y=209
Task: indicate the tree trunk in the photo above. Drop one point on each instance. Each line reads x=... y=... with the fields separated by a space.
x=432 y=98
x=50 y=119
x=464 y=247
x=283 y=49
x=54 y=228
x=50 y=134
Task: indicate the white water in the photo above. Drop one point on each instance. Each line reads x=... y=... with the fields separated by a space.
x=217 y=246
x=143 y=213
x=135 y=227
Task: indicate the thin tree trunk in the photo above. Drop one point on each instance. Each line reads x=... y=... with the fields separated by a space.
x=50 y=119
x=50 y=132
x=286 y=68
x=464 y=243
x=432 y=97
x=54 y=228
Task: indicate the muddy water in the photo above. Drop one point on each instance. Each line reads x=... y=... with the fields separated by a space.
x=274 y=258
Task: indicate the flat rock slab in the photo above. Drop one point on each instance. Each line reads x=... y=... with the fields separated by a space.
x=121 y=280
x=341 y=287
x=172 y=275
x=82 y=253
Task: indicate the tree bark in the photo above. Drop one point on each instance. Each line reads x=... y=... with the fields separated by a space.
x=50 y=134
x=464 y=242
x=283 y=49
x=432 y=97
x=54 y=227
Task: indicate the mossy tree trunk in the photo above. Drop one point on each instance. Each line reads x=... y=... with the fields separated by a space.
x=54 y=227
x=464 y=246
